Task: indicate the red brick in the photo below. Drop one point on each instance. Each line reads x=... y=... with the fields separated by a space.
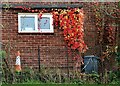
x=52 y=46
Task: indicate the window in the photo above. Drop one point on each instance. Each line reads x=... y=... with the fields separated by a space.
x=45 y=24
x=30 y=23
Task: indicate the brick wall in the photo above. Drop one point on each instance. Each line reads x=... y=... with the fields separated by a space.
x=52 y=46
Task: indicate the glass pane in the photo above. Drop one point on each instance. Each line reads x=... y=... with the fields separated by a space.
x=44 y=23
x=27 y=23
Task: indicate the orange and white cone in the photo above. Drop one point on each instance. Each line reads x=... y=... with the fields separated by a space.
x=18 y=63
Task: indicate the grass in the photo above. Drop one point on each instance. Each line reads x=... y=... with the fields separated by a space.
x=59 y=85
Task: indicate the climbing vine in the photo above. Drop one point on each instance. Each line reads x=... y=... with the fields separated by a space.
x=71 y=21
x=104 y=29
x=107 y=16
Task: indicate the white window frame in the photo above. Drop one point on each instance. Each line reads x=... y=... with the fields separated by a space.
x=27 y=15
x=51 y=30
x=35 y=15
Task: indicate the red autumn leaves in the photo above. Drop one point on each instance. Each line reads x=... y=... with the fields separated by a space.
x=71 y=21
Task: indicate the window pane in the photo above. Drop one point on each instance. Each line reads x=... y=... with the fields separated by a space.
x=44 y=23
x=27 y=23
